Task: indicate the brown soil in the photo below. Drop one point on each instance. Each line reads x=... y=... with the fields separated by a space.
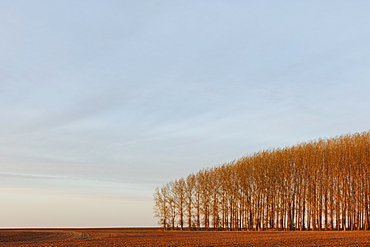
x=155 y=237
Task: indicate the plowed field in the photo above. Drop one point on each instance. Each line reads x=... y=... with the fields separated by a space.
x=151 y=237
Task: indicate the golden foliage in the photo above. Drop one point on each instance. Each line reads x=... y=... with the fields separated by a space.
x=319 y=185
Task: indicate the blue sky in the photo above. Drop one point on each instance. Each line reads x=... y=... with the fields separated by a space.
x=102 y=101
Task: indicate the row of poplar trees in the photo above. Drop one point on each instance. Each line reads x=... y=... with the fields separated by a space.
x=319 y=185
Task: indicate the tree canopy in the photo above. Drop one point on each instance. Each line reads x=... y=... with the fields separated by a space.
x=318 y=185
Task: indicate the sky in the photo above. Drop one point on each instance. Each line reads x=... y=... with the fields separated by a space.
x=103 y=101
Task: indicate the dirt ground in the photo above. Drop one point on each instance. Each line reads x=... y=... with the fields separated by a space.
x=155 y=237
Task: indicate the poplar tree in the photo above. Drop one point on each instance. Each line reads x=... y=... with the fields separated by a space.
x=318 y=185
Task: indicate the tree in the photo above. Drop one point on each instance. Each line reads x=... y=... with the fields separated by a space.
x=161 y=207
x=319 y=185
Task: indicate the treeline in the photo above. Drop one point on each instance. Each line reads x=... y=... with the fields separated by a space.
x=320 y=185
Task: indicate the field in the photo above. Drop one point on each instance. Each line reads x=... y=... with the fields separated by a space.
x=155 y=237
